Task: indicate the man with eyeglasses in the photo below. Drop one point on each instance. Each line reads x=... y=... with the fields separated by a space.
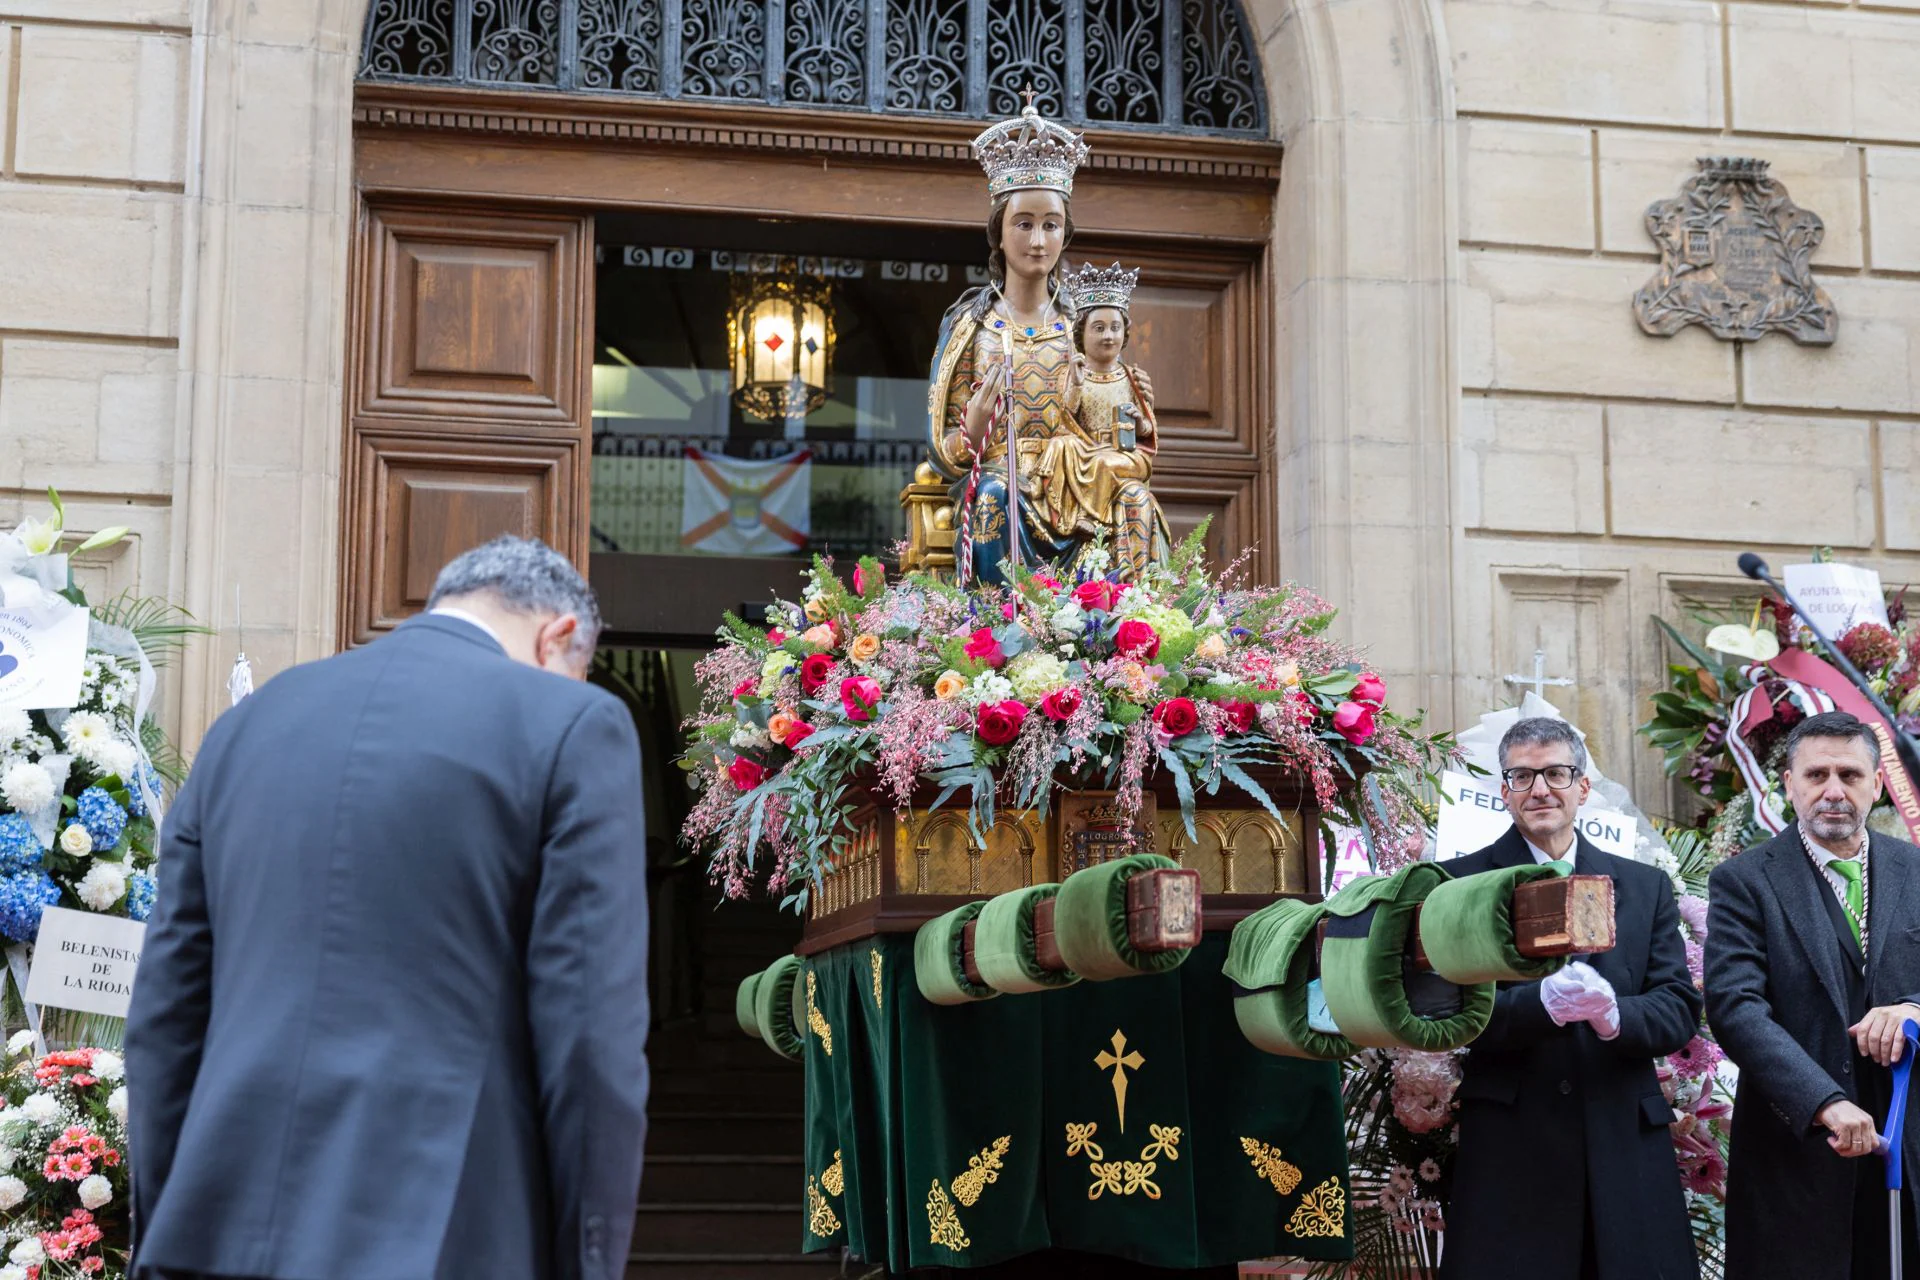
x=1813 y=964
x=1566 y=1168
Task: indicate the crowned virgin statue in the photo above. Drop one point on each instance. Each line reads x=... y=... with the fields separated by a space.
x=1008 y=366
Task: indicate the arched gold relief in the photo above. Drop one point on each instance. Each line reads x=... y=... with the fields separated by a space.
x=945 y=859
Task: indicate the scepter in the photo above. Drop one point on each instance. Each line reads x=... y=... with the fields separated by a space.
x=1013 y=439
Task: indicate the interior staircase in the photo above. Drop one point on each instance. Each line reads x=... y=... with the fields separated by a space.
x=722 y=1191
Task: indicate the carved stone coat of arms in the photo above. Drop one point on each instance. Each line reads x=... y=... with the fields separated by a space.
x=1734 y=253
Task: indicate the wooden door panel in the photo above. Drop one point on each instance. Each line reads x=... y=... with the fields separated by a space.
x=435 y=498
x=475 y=317
x=1230 y=500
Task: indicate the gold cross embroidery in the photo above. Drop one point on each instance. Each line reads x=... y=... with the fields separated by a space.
x=1120 y=1061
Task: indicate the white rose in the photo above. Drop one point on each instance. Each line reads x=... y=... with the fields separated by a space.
x=19 y=1042
x=26 y=786
x=28 y=1252
x=76 y=841
x=108 y=1066
x=94 y=1191
x=41 y=1108
x=117 y=1104
x=103 y=885
x=12 y=1192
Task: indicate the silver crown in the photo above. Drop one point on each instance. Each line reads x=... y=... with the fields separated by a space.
x=1029 y=153
x=1093 y=286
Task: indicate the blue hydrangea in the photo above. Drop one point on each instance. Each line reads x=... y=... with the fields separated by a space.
x=19 y=847
x=23 y=896
x=136 y=802
x=103 y=819
x=142 y=889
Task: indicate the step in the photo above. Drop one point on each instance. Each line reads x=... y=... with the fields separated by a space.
x=765 y=1179
x=695 y=1132
x=741 y=1266
x=711 y=1228
x=727 y=1089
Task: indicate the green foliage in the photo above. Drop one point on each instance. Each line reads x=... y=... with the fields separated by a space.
x=160 y=626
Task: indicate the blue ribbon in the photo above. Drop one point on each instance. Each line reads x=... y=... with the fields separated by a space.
x=1897 y=1113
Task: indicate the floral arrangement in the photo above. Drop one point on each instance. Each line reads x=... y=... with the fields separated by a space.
x=63 y=1176
x=1004 y=694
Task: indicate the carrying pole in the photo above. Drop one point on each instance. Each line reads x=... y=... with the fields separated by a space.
x=1890 y=1144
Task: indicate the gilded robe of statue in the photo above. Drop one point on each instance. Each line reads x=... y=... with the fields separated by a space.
x=1077 y=480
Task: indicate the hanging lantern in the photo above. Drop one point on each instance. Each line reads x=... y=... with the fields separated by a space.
x=781 y=335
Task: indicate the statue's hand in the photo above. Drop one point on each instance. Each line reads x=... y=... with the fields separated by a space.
x=1072 y=380
x=980 y=406
x=1146 y=383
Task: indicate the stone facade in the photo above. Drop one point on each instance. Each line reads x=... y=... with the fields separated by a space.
x=1481 y=451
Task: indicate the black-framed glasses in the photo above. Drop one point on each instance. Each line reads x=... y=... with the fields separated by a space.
x=1558 y=776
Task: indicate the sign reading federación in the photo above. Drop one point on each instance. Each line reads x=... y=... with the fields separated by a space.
x=1477 y=816
x=85 y=962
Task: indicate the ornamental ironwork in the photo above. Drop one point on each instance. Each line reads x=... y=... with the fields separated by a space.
x=1163 y=65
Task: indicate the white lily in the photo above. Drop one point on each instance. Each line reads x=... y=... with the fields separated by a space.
x=39 y=537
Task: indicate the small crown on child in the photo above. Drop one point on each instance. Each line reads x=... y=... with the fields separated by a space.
x=1029 y=153
x=1093 y=286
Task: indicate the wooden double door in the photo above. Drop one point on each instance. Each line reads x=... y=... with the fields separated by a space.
x=469 y=400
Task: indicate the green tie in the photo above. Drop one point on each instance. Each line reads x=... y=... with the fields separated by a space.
x=1848 y=870
x=1563 y=865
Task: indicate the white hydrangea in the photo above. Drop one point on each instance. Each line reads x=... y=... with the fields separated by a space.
x=12 y=1192
x=990 y=687
x=95 y=1191
x=1069 y=620
x=14 y=724
x=104 y=884
x=76 y=841
x=117 y=1104
x=26 y=786
x=19 y=1042
x=108 y=1066
x=1034 y=675
x=28 y=1252
x=43 y=1108
x=748 y=736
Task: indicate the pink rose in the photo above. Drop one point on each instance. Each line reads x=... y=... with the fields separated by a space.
x=982 y=647
x=1098 y=595
x=1137 y=640
x=798 y=732
x=820 y=634
x=745 y=688
x=1241 y=716
x=860 y=580
x=1176 y=717
x=746 y=774
x=1046 y=580
x=1061 y=703
x=1007 y=611
x=859 y=695
x=998 y=723
x=1354 y=721
x=1371 y=688
x=814 y=669
x=776 y=637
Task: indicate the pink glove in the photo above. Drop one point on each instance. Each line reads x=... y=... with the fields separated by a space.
x=1577 y=993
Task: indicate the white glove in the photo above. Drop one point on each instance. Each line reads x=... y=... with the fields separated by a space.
x=1577 y=993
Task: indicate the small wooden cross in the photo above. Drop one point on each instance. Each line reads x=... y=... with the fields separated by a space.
x=1120 y=1061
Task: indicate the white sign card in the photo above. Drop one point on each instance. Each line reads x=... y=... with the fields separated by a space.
x=1477 y=816
x=43 y=648
x=1838 y=597
x=85 y=961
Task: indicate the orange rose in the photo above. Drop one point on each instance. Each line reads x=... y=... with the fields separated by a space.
x=865 y=648
x=949 y=686
x=779 y=725
x=816 y=611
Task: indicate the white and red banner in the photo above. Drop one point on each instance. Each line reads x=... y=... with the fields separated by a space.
x=739 y=506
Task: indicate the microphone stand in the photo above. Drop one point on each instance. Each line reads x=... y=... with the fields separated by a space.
x=1905 y=746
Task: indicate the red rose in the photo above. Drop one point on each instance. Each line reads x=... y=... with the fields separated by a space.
x=982 y=647
x=1137 y=640
x=859 y=695
x=1354 y=721
x=745 y=688
x=998 y=723
x=1061 y=703
x=1098 y=594
x=1371 y=688
x=746 y=774
x=1176 y=717
x=814 y=669
x=798 y=732
x=1241 y=716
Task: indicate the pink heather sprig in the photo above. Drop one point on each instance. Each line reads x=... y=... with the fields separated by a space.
x=1031 y=758
x=1138 y=749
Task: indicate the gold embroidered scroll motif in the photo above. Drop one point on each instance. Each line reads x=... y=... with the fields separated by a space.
x=1124 y=1177
x=874 y=959
x=821 y=1222
x=835 y=1178
x=1165 y=1144
x=1080 y=1139
x=817 y=1021
x=1106 y=1177
x=1322 y=1213
x=1139 y=1177
x=981 y=1170
x=942 y=1221
x=1268 y=1163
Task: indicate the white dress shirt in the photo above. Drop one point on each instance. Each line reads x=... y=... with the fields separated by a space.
x=446 y=611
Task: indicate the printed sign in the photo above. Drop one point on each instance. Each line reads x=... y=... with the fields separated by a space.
x=1478 y=816
x=43 y=647
x=1838 y=597
x=85 y=961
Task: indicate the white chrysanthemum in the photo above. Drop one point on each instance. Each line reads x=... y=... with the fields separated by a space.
x=43 y=1108
x=103 y=885
x=19 y=1042
x=119 y=758
x=117 y=1104
x=990 y=687
x=26 y=786
x=94 y=1191
x=108 y=1066
x=1034 y=675
x=14 y=723
x=28 y=1252
x=88 y=734
x=12 y=1192
x=76 y=841
x=1069 y=620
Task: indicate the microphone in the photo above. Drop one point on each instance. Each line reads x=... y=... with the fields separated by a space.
x=1754 y=567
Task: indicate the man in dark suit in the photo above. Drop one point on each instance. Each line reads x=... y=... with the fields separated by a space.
x=1813 y=963
x=1566 y=1168
x=391 y=1018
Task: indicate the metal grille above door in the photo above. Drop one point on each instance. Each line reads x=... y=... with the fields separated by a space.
x=1163 y=65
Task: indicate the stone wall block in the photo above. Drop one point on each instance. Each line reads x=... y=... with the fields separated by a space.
x=90 y=261
x=175 y=14
x=1899 y=482
x=107 y=104
x=1837 y=74
x=1893 y=199
x=1531 y=465
x=1727 y=476
x=1526 y=184
x=1873 y=366
x=86 y=406
x=1645 y=61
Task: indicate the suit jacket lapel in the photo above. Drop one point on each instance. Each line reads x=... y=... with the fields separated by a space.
x=1893 y=887
x=1511 y=850
x=1798 y=886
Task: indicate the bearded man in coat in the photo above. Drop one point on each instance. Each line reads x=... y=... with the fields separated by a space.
x=1813 y=964
x=1566 y=1168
